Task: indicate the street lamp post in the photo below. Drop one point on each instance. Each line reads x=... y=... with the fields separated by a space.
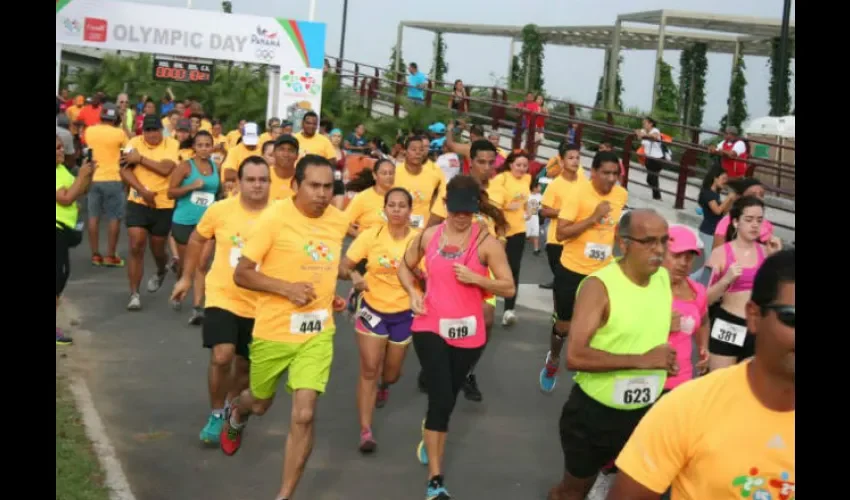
x=342 y=37
x=783 y=56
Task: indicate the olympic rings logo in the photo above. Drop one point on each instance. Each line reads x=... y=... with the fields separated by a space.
x=265 y=54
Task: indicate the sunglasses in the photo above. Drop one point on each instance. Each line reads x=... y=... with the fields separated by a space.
x=786 y=314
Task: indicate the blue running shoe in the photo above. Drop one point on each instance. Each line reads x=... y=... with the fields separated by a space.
x=422 y=453
x=549 y=374
x=210 y=433
x=436 y=490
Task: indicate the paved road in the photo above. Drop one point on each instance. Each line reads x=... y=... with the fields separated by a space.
x=147 y=373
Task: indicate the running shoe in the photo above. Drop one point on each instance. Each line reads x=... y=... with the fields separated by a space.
x=96 y=260
x=62 y=339
x=509 y=318
x=113 y=261
x=367 y=441
x=174 y=265
x=230 y=439
x=197 y=316
x=155 y=282
x=211 y=432
x=383 y=396
x=135 y=303
x=549 y=374
x=470 y=389
x=422 y=453
x=436 y=490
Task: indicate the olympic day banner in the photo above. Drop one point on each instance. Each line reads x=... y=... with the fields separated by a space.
x=297 y=48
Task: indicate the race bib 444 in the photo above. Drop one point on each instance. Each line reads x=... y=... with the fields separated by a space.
x=308 y=322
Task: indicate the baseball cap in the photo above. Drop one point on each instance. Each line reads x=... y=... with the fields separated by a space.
x=683 y=239
x=184 y=124
x=465 y=199
x=250 y=134
x=109 y=111
x=437 y=128
x=286 y=139
x=151 y=122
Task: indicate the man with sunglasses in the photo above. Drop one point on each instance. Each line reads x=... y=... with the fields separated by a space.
x=618 y=350
x=585 y=225
x=729 y=434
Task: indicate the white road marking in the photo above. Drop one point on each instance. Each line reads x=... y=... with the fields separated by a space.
x=116 y=481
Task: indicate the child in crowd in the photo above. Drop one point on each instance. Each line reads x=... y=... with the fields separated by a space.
x=532 y=216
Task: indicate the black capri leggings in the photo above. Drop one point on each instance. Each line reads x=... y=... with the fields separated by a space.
x=63 y=262
x=653 y=168
x=445 y=369
x=514 y=248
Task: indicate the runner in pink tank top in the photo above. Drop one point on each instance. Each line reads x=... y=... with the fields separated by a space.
x=448 y=328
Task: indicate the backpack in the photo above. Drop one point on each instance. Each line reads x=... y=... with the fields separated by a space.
x=664 y=149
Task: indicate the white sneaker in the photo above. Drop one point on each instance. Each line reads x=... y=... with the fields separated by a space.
x=509 y=318
x=135 y=303
x=155 y=282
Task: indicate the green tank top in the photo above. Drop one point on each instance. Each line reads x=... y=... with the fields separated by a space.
x=66 y=215
x=639 y=320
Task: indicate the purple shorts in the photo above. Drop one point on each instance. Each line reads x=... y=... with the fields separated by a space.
x=394 y=326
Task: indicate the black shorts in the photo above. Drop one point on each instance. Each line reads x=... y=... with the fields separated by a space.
x=339 y=188
x=565 y=289
x=725 y=336
x=593 y=434
x=182 y=232
x=157 y=221
x=223 y=327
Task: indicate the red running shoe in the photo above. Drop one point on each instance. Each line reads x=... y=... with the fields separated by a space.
x=230 y=439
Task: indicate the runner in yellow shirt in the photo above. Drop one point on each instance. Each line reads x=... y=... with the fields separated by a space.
x=291 y=258
x=283 y=169
x=730 y=434
x=310 y=142
x=229 y=311
x=421 y=182
x=236 y=154
x=366 y=209
x=146 y=165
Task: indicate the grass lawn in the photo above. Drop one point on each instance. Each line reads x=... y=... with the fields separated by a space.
x=78 y=475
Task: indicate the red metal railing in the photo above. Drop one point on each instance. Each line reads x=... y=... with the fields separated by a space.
x=690 y=159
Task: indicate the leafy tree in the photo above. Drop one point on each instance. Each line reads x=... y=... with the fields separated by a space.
x=441 y=67
x=533 y=45
x=667 y=100
x=391 y=69
x=685 y=74
x=737 y=97
x=778 y=81
x=227 y=7
x=517 y=72
x=694 y=65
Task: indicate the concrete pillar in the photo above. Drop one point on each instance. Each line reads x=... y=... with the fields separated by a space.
x=435 y=48
x=510 y=62
x=736 y=55
x=398 y=41
x=613 y=62
x=271 y=100
x=659 y=56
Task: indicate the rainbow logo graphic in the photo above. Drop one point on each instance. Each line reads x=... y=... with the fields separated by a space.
x=308 y=39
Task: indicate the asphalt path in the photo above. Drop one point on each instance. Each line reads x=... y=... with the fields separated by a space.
x=147 y=374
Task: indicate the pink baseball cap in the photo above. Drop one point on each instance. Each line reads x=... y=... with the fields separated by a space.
x=683 y=239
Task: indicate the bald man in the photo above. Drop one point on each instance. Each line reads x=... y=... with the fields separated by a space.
x=619 y=354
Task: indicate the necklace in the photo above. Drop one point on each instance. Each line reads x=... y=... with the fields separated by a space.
x=451 y=251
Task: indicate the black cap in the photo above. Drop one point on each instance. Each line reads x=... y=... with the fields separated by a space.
x=184 y=124
x=151 y=122
x=109 y=112
x=465 y=199
x=286 y=139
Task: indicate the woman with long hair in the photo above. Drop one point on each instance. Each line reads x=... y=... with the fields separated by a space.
x=366 y=209
x=195 y=185
x=458 y=99
x=383 y=315
x=713 y=209
x=340 y=175
x=515 y=181
x=743 y=187
x=448 y=325
x=734 y=266
x=650 y=138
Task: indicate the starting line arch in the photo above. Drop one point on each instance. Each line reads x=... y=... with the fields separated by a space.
x=295 y=48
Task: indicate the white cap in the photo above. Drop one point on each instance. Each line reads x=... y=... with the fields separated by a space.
x=250 y=134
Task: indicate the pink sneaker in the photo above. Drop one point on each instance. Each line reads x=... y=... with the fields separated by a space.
x=383 y=396
x=367 y=442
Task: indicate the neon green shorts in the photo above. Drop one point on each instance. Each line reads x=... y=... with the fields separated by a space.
x=309 y=364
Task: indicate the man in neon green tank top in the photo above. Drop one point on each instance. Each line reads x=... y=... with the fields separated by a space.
x=618 y=349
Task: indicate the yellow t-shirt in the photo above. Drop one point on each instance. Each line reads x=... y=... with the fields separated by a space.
x=593 y=249
x=516 y=193
x=280 y=188
x=712 y=439
x=236 y=155
x=383 y=255
x=264 y=138
x=366 y=210
x=560 y=189
x=316 y=145
x=233 y=137
x=423 y=188
x=495 y=195
x=228 y=222
x=168 y=149
x=206 y=125
x=220 y=139
x=185 y=154
x=106 y=143
x=290 y=246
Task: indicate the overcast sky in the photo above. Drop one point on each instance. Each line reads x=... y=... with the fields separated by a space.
x=570 y=73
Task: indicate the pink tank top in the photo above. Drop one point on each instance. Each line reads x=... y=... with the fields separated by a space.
x=453 y=311
x=691 y=313
x=745 y=281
